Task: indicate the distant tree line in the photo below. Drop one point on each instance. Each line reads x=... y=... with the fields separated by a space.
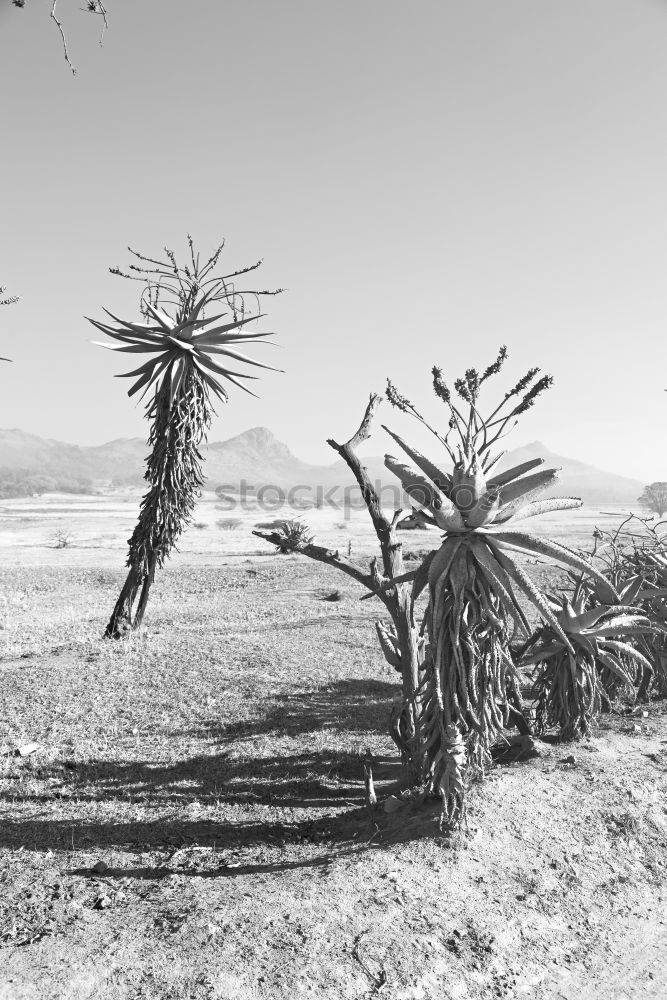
x=27 y=483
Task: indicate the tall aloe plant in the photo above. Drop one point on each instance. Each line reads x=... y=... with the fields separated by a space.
x=179 y=377
x=474 y=579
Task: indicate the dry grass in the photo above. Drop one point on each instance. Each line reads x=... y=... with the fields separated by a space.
x=213 y=765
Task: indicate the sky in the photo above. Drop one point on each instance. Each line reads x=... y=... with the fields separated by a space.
x=428 y=180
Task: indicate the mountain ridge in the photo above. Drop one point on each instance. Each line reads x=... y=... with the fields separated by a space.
x=261 y=459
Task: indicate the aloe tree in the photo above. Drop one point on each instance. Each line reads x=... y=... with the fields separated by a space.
x=474 y=579
x=179 y=377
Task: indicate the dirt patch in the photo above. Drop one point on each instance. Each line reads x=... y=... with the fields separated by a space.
x=194 y=826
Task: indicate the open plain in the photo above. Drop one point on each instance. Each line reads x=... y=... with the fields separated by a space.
x=192 y=823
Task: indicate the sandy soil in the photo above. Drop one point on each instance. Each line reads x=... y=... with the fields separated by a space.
x=193 y=823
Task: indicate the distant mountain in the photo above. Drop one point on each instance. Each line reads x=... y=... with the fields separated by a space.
x=577 y=478
x=257 y=457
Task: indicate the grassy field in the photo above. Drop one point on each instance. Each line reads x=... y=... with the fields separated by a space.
x=193 y=823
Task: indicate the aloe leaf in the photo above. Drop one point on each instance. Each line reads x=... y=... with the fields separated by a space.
x=424 y=519
x=630 y=590
x=451 y=522
x=612 y=664
x=589 y=618
x=627 y=650
x=421 y=576
x=233 y=325
x=131 y=348
x=412 y=481
x=238 y=357
x=501 y=581
x=141 y=329
x=536 y=507
x=506 y=477
x=216 y=388
x=438 y=576
x=234 y=338
x=489 y=464
x=212 y=382
x=196 y=324
x=542 y=654
x=166 y=322
x=177 y=374
x=627 y=625
x=214 y=367
x=442 y=479
x=484 y=511
x=129 y=338
x=146 y=367
x=530 y=590
x=529 y=486
x=146 y=380
x=650 y=595
x=544 y=547
x=586 y=642
x=110 y=331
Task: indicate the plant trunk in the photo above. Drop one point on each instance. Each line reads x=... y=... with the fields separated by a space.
x=174 y=473
x=121 y=621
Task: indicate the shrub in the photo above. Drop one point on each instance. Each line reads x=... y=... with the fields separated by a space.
x=291 y=534
x=62 y=539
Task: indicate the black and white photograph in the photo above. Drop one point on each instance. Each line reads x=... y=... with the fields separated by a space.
x=333 y=500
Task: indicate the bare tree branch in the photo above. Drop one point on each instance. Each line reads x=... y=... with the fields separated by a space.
x=319 y=553
x=92 y=7
x=62 y=35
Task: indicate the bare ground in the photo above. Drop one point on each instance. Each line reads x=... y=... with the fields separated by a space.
x=213 y=766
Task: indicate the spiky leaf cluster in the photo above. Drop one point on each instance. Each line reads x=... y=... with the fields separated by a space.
x=177 y=334
x=575 y=675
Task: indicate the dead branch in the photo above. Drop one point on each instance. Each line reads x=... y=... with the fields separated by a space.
x=62 y=35
x=92 y=7
x=319 y=553
x=384 y=529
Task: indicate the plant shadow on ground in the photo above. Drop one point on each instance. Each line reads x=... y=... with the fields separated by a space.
x=237 y=783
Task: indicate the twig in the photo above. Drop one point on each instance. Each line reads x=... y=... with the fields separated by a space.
x=62 y=35
x=377 y=981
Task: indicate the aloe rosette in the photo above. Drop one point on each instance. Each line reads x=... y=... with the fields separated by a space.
x=191 y=356
x=638 y=573
x=474 y=579
x=574 y=679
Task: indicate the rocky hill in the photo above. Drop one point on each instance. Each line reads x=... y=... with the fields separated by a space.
x=259 y=458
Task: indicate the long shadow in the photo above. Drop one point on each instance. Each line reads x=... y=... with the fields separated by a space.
x=346 y=705
x=137 y=837
x=155 y=873
x=317 y=778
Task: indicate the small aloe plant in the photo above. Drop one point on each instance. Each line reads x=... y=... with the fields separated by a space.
x=292 y=534
x=574 y=678
x=474 y=579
